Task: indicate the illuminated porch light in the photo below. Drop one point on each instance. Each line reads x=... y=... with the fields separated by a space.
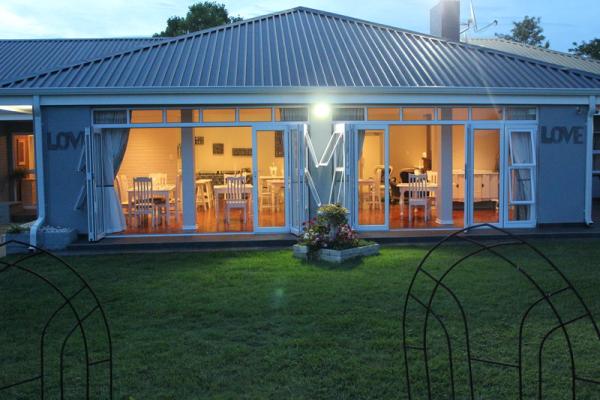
x=321 y=110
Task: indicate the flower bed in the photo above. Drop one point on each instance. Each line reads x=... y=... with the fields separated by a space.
x=329 y=237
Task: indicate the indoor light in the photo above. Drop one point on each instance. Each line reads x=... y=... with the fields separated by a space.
x=321 y=110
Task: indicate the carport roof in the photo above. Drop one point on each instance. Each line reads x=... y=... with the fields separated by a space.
x=308 y=49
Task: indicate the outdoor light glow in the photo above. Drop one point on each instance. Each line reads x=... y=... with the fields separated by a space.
x=321 y=110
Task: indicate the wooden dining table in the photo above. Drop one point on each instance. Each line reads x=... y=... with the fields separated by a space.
x=163 y=191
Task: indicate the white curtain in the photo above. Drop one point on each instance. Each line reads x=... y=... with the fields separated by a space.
x=522 y=153
x=114 y=143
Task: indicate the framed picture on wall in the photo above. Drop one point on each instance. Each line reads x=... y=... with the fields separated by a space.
x=198 y=140
x=218 y=148
x=279 y=144
x=242 y=152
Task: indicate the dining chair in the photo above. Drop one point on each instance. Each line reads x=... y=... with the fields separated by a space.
x=158 y=179
x=264 y=194
x=417 y=195
x=204 y=194
x=432 y=179
x=234 y=196
x=142 y=203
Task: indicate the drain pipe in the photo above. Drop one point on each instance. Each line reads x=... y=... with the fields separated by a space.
x=39 y=170
x=589 y=161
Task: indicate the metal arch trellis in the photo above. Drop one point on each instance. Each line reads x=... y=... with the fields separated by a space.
x=67 y=303
x=544 y=297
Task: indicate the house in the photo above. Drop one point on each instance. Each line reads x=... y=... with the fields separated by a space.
x=566 y=60
x=248 y=127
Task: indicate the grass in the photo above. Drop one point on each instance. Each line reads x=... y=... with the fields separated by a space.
x=260 y=324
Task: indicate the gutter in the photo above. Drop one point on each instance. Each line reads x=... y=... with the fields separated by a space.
x=589 y=161
x=314 y=90
x=39 y=163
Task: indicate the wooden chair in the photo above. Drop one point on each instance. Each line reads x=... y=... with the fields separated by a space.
x=122 y=189
x=142 y=203
x=432 y=178
x=234 y=196
x=158 y=179
x=417 y=195
x=204 y=193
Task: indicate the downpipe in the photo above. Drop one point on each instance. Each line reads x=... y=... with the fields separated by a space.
x=39 y=171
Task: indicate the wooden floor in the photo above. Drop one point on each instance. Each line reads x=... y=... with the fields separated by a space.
x=398 y=220
x=208 y=222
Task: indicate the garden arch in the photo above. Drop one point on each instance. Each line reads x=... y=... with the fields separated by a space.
x=431 y=280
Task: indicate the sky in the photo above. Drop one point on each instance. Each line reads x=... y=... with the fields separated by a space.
x=563 y=21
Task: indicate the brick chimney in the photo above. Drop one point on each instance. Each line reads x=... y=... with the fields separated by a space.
x=444 y=20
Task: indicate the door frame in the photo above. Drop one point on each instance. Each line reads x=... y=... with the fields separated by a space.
x=285 y=128
x=353 y=183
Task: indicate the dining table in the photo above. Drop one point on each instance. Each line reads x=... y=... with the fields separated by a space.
x=404 y=187
x=159 y=191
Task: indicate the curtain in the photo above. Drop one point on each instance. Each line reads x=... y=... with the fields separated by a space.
x=114 y=143
x=349 y=114
x=521 y=153
x=293 y=114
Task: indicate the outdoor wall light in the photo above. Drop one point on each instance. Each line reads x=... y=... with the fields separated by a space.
x=321 y=110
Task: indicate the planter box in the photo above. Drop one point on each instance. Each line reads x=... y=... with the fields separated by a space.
x=337 y=256
x=56 y=240
x=14 y=248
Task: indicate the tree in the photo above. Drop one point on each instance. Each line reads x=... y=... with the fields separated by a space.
x=528 y=31
x=200 y=16
x=589 y=49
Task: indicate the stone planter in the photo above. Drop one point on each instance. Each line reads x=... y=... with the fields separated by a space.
x=14 y=248
x=337 y=256
x=300 y=251
x=56 y=239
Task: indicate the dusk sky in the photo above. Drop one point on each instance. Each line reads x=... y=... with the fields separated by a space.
x=563 y=22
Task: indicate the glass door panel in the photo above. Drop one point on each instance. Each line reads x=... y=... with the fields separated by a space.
x=371 y=174
x=485 y=176
x=521 y=167
x=271 y=178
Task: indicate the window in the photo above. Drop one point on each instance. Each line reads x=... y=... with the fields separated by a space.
x=521 y=188
x=383 y=114
x=110 y=116
x=486 y=113
x=291 y=114
x=417 y=114
x=146 y=116
x=219 y=115
x=349 y=114
x=453 y=113
x=521 y=113
x=255 y=114
x=185 y=115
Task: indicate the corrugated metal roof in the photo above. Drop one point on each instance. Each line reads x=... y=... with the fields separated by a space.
x=309 y=48
x=539 y=53
x=22 y=58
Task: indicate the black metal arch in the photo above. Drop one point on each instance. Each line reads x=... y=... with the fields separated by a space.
x=545 y=297
x=67 y=303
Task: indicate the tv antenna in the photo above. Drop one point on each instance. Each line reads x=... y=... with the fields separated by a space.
x=471 y=24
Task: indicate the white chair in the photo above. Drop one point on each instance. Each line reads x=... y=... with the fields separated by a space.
x=204 y=193
x=264 y=195
x=432 y=178
x=175 y=203
x=142 y=203
x=234 y=196
x=158 y=179
x=417 y=195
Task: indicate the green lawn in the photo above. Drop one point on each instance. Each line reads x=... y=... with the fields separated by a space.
x=260 y=324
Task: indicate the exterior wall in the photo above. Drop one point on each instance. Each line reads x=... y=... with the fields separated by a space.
x=63 y=130
x=596 y=178
x=561 y=165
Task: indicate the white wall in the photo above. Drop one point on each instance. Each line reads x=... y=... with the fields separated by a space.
x=238 y=137
x=152 y=150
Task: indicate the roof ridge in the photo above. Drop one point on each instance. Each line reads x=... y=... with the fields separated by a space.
x=82 y=39
x=168 y=41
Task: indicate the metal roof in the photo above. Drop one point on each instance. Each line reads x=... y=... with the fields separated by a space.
x=541 y=54
x=306 y=48
x=21 y=58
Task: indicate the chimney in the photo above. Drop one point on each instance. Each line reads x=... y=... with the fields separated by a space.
x=444 y=20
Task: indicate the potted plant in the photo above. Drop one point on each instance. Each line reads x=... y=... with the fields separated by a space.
x=18 y=233
x=330 y=237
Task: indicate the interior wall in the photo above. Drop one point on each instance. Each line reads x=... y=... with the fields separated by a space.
x=372 y=154
x=266 y=154
x=152 y=150
x=230 y=137
x=486 y=156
